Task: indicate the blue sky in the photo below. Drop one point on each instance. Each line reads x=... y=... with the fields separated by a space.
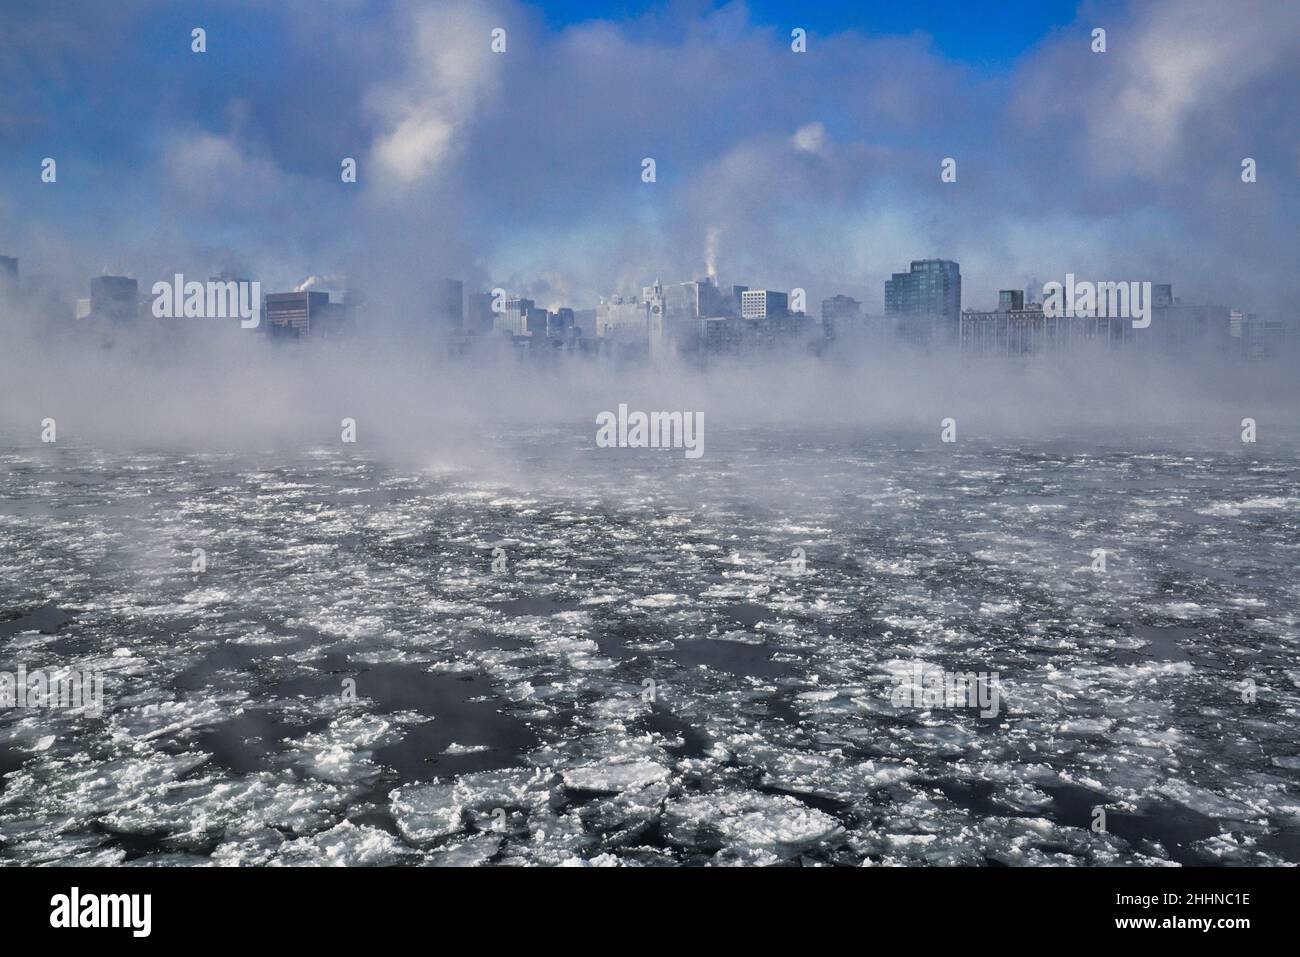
x=774 y=168
x=990 y=35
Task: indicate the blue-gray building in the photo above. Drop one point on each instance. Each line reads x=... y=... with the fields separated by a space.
x=926 y=301
x=115 y=298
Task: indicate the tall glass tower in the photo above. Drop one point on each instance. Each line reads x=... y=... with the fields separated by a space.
x=927 y=299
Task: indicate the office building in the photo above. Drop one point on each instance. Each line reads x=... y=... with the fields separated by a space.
x=295 y=315
x=115 y=298
x=561 y=324
x=686 y=302
x=733 y=306
x=756 y=304
x=840 y=313
x=536 y=322
x=926 y=300
x=1024 y=330
x=622 y=317
x=478 y=314
x=722 y=334
x=512 y=320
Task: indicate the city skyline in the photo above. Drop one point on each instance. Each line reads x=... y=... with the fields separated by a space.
x=921 y=307
x=449 y=149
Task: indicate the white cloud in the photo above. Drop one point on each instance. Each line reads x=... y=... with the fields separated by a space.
x=810 y=138
x=1170 y=68
x=450 y=70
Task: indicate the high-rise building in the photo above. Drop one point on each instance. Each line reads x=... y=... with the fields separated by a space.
x=682 y=305
x=734 y=305
x=293 y=314
x=478 y=313
x=621 y=317
x=764 y=304
x=116 y=298
x=686 y=302
x=536 y=322
x=448 y=306
x=926 y=300
x=840 y=313
x=561 y=323
x=513 y=319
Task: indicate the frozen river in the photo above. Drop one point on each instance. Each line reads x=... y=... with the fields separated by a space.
x=621 y=656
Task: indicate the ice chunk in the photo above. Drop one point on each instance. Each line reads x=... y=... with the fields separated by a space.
x=344 y=845
x=746 y=820
x=426 y=812
x=615 y=776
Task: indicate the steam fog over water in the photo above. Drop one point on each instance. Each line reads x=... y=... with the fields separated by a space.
x=561 y=652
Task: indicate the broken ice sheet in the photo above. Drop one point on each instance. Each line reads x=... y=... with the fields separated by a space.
x=741 y=819
x=784 y=735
